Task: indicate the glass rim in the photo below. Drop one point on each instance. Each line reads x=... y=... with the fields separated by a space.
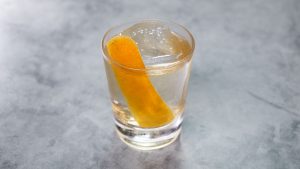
x=180 y=61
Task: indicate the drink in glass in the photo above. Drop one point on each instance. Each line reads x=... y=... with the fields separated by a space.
x=148 y=66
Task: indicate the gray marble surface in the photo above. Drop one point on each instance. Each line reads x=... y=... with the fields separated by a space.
x=243 y=108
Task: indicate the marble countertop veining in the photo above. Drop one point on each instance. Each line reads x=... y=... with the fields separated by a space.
x=243 y=107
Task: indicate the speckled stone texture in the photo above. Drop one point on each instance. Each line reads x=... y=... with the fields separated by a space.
x=243 y=108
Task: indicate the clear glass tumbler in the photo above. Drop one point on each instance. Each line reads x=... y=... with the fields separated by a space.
x=148 y=101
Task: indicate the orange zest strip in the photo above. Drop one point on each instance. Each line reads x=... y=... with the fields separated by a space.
x=145 y=104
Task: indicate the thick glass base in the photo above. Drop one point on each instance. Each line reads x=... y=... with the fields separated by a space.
x=149 y=139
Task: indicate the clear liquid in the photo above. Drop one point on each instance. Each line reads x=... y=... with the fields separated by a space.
x=163 y=52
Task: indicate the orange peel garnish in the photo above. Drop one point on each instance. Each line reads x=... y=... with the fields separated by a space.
x=144 y=103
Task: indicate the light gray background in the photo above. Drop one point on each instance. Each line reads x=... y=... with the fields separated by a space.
x=243 y=108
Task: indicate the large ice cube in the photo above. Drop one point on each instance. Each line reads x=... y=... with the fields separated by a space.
x=157 y=43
